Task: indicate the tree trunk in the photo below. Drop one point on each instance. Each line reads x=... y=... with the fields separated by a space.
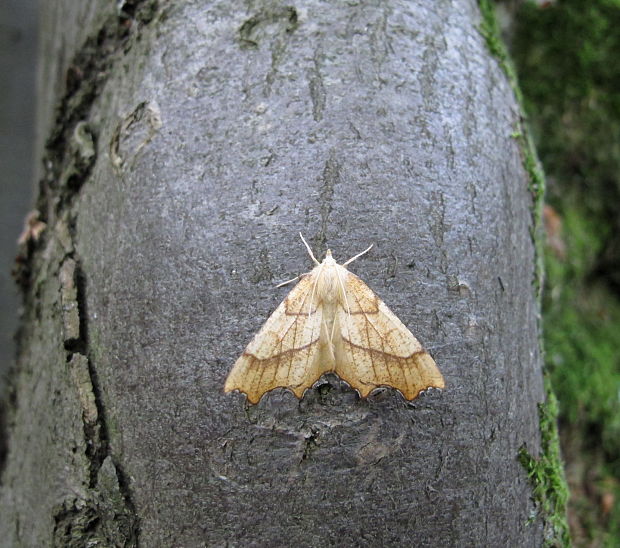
x=187 y=143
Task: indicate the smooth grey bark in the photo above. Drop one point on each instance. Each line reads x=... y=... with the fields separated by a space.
x=191 y=142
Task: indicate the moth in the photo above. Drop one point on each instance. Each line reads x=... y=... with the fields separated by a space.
x=332 y=322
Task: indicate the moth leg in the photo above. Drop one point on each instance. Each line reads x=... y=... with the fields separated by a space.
x=288 y=281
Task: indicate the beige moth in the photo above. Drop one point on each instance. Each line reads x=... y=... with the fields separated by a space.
x=332 y=322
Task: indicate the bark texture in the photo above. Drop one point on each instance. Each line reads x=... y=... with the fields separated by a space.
x=191 y=142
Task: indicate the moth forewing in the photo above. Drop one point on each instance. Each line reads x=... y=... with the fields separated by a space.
x=284 y=353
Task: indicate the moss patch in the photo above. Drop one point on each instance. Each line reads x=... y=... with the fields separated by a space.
x=489 y=29
x=547 y=474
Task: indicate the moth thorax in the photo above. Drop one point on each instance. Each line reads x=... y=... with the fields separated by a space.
x=328 y=285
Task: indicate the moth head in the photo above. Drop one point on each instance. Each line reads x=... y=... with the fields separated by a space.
x=329 y=260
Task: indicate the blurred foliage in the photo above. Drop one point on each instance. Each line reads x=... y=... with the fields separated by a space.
x=582 y=337
x=582 y=343
x=566 y=54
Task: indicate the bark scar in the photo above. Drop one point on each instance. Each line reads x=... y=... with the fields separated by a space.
x=136 y=130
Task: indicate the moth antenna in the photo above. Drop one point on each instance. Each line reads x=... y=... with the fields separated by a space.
x=331 y=337
x=309 y=250
x=346 y=300
x=344 y=293
x=314 y=286
x=358 y=255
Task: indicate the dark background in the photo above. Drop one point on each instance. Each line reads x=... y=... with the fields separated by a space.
x=18 y=52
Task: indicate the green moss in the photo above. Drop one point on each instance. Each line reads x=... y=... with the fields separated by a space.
x=537 y=188
x=547 y=472
x=491 y=33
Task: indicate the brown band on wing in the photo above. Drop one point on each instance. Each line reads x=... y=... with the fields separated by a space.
x=400 y=361
x=374 y=310
x=426 y=377
x=255 y=389
x=374 y=350
x=284 y=352
x=387 y=358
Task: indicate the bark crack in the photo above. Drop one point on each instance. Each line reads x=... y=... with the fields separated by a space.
x=331 y=177
x=317 y=88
